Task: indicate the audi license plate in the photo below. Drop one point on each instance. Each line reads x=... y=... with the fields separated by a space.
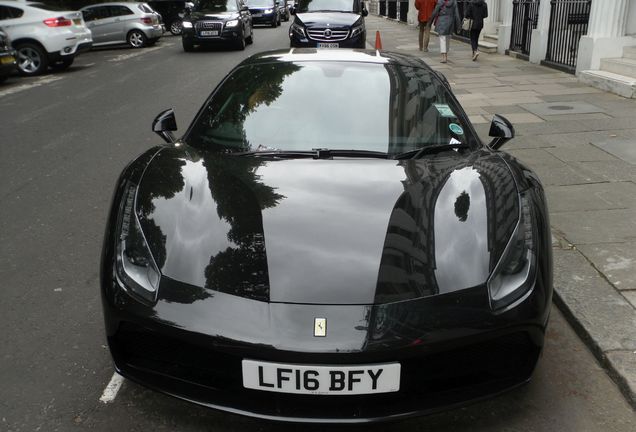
x=209 y=33
x=323 y=380
x=7 y=60
x=328 y=45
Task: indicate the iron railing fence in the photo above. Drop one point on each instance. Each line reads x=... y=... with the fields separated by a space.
x=525 y=16
x=568 y=23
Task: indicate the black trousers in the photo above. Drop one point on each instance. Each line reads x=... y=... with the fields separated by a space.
x=474 y=38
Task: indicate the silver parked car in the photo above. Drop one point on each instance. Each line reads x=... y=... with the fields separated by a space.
x=126 y=22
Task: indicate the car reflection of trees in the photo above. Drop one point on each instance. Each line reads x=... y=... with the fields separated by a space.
x=240 y=197
x=236 y=189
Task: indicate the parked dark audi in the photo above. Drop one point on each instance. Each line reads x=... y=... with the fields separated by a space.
x=370 y=260
x=328 y=24
x=213 y=22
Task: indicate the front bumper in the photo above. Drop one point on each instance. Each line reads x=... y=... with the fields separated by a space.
x=226 y=36
x=263 y=18
x=452 y=349
x=296 y=41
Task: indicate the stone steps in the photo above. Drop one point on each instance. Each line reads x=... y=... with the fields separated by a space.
x=487 y=47
x=492 y=38
x=616 y=75
x=629 y=52
x=620 y=66
x=616 y=83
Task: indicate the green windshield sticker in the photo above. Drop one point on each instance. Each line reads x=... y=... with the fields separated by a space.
x=456 y=129
x=444 y=110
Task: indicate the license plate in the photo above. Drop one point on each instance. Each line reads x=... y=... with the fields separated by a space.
x=209 y=33
x=257 y=15
x=7 y=60
x=328 y=45
x=77 y=21
x=323 y=380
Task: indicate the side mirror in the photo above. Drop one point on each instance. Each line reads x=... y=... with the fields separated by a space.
x=292 y=10
x=244 y=8
x=164 y=124
x=501 y=130
x=365 y=12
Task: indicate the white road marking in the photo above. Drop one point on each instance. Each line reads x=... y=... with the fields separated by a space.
x=22 y=87
x=135 y=54
x=110 y=392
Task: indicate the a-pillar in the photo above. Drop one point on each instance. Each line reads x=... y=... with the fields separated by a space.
x=539 y=44
x=605 y=34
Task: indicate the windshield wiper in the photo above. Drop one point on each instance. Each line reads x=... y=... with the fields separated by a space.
x=314 y=153
x=283 y=154
x=415 y=154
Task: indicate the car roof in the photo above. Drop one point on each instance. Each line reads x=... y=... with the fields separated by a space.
x=336 y=55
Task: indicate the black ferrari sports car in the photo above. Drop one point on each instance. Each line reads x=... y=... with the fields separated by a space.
x=370 y=259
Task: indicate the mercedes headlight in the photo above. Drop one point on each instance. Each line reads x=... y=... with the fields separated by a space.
x=355 y=31
x=231 y=23
x=515 y=272
x=186 y=24
x=135 y=266
x=295 y=28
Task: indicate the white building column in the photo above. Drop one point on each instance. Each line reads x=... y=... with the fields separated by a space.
x=605 y=35
x=539 y=44
x=492 y=22
x=505 y=28
x=411 y=16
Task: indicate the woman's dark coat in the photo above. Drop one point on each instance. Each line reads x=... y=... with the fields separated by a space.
x=477 y=10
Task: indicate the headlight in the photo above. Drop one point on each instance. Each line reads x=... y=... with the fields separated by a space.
x=357 y=31
x=135 y=265
x=268 y=11
x=298 y=30
x=231 y=23
x=187 y=24
x=515 y=272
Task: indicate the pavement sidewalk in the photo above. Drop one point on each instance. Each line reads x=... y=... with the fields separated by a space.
x=581 y=141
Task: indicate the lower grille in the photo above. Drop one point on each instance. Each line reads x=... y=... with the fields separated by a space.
x=208 y=26
x=429 y=381
x=327 y=35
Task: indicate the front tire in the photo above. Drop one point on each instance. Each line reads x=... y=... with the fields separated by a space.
x=32 y=59
x=136 y=39
x=240 y=43
x=250 y=38
x=188 y=46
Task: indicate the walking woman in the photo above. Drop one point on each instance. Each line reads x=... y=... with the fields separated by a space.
x=446 y=19
x=477 y=10
x=425 y=9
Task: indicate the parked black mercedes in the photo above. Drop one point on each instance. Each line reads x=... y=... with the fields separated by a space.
x=328 y=24
x=217 y=22
x=370 y=260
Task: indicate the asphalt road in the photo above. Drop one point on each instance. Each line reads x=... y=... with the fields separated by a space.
x=64 y=138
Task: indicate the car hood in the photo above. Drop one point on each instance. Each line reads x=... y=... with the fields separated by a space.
x=331 y=19
x=344 y=231
x=221 y=16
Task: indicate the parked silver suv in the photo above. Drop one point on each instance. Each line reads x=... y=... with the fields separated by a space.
x=115 y=23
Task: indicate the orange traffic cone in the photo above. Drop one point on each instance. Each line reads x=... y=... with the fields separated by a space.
x=378 y=41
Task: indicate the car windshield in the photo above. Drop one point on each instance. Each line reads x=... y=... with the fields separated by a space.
x=327 y=5
x=328 y=105
x=260 y=3
x=215 y=6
